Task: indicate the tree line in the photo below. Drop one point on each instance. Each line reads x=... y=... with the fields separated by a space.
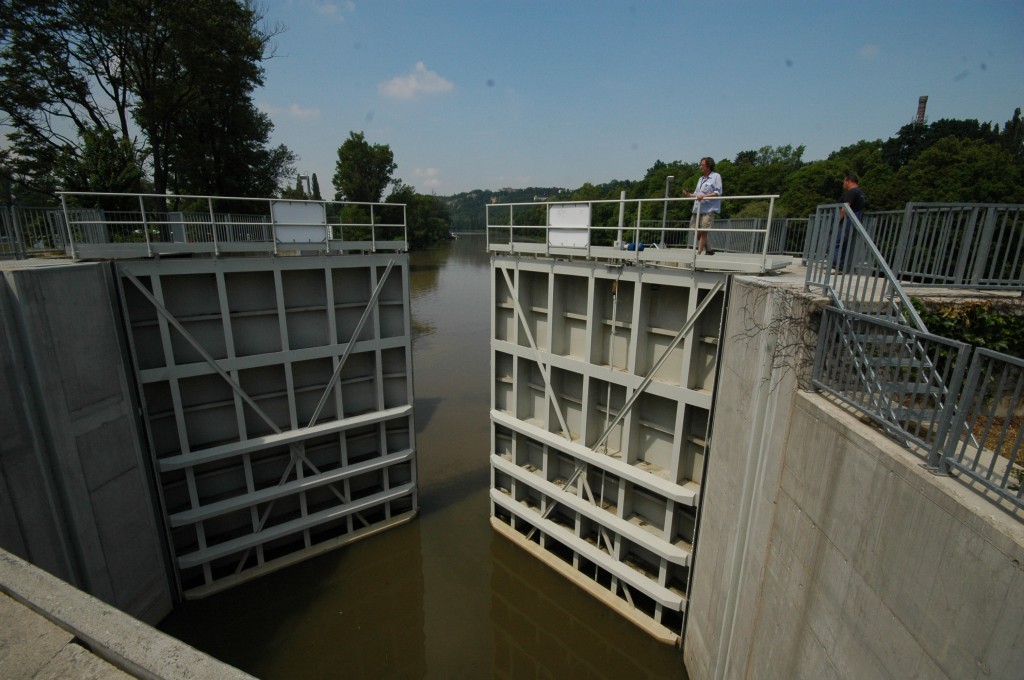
x=147 y=96
x=135 y=96
x=949 y=160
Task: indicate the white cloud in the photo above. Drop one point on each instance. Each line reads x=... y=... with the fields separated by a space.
x=331 y=10
x=428 y=178
x=869 y=51
x=296 y=111
x=420 y=81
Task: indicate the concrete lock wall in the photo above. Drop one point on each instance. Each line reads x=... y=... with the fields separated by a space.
x=825 y=550
x=74 y=495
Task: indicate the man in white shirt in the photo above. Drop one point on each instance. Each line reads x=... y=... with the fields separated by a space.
x=708 y=187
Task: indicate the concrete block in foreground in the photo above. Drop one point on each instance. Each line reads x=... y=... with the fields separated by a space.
x=55 y=626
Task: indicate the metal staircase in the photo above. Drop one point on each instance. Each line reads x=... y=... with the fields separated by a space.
x=874 y=351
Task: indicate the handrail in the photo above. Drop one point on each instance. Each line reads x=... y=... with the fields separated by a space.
x=861 y=277
x=153 y=228
x=526 y=227
x=885 y=364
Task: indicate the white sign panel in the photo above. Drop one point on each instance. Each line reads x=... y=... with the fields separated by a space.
x=299 y=221
x=569 y=225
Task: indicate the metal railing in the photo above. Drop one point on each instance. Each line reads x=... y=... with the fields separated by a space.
x=962 y=245
x=844 y=263
x=898 y=376
x=991 y=408
x=875 y=354
x=952 y=245
x=627 y=226
x=738 y=235
x=144 y=225
x=27 y=231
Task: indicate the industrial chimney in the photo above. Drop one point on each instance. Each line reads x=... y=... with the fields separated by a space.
x=922 y=102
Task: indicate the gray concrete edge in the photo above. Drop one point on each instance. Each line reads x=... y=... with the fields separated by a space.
x=124 y=642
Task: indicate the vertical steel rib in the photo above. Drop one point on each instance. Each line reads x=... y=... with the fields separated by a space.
x=351 y=343
x=207 y=357
x=657 y=365
x=544 y=369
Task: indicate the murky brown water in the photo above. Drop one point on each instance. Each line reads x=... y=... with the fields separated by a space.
x=441 y=596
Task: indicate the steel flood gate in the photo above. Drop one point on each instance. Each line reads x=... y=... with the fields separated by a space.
x=600 y=413
x=277 y=399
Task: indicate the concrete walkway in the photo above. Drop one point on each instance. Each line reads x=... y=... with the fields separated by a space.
x=50 y=629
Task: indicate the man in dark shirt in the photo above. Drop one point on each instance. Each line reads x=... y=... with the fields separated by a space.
x=854 y=197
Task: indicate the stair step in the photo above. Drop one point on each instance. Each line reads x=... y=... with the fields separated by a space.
x=895 y=387
x=890 y=340
x=903 y=414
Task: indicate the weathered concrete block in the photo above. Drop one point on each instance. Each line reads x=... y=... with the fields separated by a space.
x=71 y=457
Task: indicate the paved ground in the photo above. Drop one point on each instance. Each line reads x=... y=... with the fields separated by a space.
x=32 y=647
x=49 y=629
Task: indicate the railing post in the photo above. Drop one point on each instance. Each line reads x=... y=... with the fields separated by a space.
x=980 y=266
x=622 y=218
x=145 y=227
x=965 y=239
x=954 y=413
x=899 y=262
x=21 y=251
x=767 y=235
x=590 y=233
x=67 y=222
x=373 y=231
x=547 y=229
x=636 y=232
x=213 y=226
x=273 y=228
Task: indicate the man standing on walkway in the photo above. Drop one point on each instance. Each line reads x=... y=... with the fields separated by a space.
x=854 y=197
x=708 y=186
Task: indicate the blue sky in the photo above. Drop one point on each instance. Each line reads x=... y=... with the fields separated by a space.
x=491 y=94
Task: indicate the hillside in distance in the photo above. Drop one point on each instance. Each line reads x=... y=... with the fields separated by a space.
x=467 y=211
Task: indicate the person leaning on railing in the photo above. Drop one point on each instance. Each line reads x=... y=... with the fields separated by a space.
x=708 y=186
x=854 y=197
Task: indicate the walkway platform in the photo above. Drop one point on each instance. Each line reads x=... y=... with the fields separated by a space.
x=684 y=258
x=53 y=630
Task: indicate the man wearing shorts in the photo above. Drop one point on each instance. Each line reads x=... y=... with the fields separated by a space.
x=709 y=186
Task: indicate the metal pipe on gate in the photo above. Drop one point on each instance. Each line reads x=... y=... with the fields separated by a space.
x=145 y=227
x=767 y=234
x=622 y=216
x=213 y=226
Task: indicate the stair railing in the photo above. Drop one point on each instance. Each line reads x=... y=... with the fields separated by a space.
x=874 y=350
x=844 y=264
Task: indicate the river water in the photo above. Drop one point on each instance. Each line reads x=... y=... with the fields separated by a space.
x=441 y=596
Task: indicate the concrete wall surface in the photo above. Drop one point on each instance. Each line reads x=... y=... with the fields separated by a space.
x=74 y=495
x=53 y=630
x=825 y=549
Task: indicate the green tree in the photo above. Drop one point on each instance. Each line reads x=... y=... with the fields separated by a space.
x=172 y=79
x=297 y=192
x=964 y=171
x=866 y=160
x=363 y=171
x=316 y=189
x=426 y=217
x=105 y=164
x=913 y=139
x=810 y=186
x=755 y=173
x=1012 y=137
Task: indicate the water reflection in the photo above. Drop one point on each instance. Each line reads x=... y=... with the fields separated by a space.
x=441 y=596
x=355 y=613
